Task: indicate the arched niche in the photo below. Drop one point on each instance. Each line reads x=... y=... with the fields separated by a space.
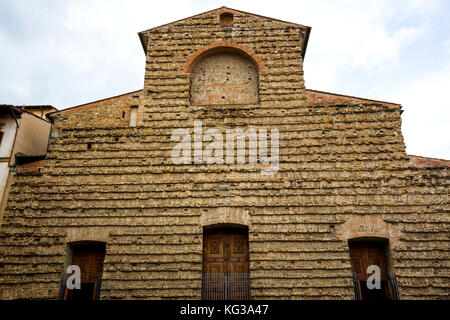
x=224 y=75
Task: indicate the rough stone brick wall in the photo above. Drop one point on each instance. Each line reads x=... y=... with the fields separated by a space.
x=343 y=173
x=110 y=112
x=30 y=168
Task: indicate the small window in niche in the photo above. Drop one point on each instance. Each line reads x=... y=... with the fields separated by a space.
x=226 y=19
x=133 y=116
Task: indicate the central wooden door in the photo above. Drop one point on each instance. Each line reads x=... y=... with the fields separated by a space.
x=226 y=264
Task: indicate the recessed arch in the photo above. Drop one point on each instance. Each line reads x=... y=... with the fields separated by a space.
x=217 y=47
x=224 y=75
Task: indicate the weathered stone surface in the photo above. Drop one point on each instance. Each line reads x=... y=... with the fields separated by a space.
x=343 y=173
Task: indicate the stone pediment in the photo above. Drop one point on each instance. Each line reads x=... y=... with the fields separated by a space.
x=241 y=20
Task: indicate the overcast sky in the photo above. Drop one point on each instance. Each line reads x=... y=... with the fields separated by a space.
x=69 y=52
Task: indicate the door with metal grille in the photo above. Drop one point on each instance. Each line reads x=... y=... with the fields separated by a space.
x=90 y=260
x=363 y=255
x=225 y=264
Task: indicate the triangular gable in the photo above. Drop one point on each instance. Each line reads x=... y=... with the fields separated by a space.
x=213 y=14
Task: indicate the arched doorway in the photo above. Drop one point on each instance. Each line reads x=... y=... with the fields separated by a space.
x=367 y=252
x=225 y=264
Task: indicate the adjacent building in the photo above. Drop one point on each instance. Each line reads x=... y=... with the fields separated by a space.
x=23 y=138
x=40 y=110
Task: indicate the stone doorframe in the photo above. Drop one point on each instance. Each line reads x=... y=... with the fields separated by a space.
x=371 y=228
x=359 y=226
x=225 y=216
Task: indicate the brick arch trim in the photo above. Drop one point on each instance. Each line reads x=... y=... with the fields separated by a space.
x=367 y=227
x=221 y=46
x=225 y=215
x=95 y=234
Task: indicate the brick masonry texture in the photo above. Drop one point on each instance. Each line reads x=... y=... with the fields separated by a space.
x=343 y=173
x=224 y=79
x=423 y=162
x=30 y=168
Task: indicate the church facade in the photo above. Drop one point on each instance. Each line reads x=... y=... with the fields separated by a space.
x=225 y=178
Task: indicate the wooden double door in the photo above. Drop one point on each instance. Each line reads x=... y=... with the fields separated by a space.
x=226 y=264
x=363 y=255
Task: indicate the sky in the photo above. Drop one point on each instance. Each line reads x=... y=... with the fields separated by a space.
x=69 y=52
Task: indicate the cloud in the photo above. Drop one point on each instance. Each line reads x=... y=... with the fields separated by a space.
x=358 y=36
x=70 y=52
x=427 y=113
